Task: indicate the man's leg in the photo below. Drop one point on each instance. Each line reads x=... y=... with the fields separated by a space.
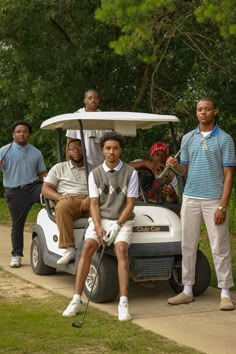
x=19 y=206
x=74 y=307
x=66 y=212
x=121 y=251
x=191 y=220
x=220 y=246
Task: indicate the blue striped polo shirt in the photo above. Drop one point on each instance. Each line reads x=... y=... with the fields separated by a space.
x=206 y=158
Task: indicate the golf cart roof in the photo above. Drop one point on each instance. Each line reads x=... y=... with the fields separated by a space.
x=125 y=123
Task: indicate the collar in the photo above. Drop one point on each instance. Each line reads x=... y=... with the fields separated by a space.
x=73 y=166
x=214 y=131
x=20 y=146
x=117 y=168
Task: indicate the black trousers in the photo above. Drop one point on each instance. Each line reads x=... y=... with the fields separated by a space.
x=20 y=201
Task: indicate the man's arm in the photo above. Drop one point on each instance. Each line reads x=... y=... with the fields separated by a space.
x=42 y=174
x=49 y=191
x=227 y=189
x=153 y=166
x=127 y=211
x=96 y=216
x=179 y=169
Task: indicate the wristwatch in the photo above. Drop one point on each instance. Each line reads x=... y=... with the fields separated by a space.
x=220 y=207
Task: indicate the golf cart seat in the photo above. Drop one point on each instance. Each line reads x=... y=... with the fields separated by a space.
x=80 y=223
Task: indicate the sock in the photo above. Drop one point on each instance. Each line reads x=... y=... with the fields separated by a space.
x=188 y=290
x=225 y=293
x=71 y=250
x=76 y=298
x=123 y=300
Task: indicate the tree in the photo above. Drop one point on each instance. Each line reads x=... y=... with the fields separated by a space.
x=221 y=12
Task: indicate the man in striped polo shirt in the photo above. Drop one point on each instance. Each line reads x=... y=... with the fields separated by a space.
x=208 y=160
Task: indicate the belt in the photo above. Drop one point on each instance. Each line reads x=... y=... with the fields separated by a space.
x=23 y=186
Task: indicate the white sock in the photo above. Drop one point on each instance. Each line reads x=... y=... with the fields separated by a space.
x=225 y=293
x=76 y=298
x=123 y=300
x=71 y=250
x=188 y=290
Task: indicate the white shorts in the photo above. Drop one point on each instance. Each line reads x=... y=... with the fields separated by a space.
x=124 y=235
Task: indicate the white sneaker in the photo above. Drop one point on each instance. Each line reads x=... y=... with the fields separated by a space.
x=66 y=258
x=123 y=312
x=73 y=309
x=15 y=262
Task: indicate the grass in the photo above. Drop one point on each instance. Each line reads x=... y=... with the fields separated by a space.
x=30 y=325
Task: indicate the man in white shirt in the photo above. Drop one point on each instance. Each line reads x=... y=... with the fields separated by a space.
x=112 y=216
x=91 y=137
x=66 y=184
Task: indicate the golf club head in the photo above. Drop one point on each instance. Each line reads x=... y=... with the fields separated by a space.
x=77 y=324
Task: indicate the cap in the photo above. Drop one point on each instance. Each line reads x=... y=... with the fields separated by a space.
x=159 y=146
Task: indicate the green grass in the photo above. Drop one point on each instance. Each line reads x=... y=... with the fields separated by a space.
x=30 y=325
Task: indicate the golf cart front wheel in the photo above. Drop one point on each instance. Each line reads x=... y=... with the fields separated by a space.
x=202 y=275
x=106 y=286
x=36 y=257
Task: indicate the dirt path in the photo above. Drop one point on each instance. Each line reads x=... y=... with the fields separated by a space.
x=13 y=287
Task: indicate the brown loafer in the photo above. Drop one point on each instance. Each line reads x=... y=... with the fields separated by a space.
x=181 y=298
x=226 y=304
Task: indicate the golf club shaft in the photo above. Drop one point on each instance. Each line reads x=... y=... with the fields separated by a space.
x=176 y=155
x=90 y=294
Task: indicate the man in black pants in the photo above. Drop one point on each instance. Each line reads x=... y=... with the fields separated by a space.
x=21 y=163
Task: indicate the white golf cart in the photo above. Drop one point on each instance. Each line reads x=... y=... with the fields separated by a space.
x=155 y=252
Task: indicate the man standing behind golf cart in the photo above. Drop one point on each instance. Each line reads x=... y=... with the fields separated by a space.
x=66 y=184
x=208 y=159
x=113 y=188
x=163 y=192
x=91 y=137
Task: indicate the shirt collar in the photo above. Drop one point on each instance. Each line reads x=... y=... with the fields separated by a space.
x=73 y=166
x=117 y=168
x=18 y=146
x=214 y=131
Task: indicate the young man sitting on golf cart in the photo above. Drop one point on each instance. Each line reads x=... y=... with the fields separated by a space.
x=113 y=189
x=164 y=191
x=66 y=184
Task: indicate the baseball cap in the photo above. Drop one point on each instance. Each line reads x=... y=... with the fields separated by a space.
x=159 y=146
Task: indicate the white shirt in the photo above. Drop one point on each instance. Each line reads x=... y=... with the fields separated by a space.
x=94 y=153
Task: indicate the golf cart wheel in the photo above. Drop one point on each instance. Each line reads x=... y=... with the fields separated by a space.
x=202 y=275
x=36 y=257
x=106 y=286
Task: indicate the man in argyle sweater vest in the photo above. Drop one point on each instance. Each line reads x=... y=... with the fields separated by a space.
x=113 y=189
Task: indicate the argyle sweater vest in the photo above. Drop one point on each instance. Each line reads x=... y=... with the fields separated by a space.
x=112 y=189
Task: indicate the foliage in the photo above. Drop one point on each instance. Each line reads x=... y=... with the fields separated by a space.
x=184 y=57
x=222 y=12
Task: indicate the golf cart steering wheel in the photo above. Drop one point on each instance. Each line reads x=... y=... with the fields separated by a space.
x=146 y=179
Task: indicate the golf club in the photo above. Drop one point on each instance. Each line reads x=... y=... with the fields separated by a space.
x=80 y=323
x=176 y=155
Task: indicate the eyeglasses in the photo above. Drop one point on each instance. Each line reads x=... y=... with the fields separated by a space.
x=21 y=132
x=75 y=149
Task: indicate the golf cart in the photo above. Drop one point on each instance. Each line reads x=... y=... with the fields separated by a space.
x=155 y=251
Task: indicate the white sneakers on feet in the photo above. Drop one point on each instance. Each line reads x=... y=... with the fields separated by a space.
x=67 y=257
x=73 y=309
x=15 y=262
x=123 y=312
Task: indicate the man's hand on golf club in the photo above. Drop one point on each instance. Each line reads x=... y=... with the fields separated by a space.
x=111 y=234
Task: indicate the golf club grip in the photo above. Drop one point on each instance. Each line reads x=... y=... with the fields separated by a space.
x=176 y=155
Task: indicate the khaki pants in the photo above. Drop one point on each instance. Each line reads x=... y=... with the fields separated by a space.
x=193 y=213
x=66 y=212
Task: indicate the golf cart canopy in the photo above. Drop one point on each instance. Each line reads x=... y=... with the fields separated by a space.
x=125 y=123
